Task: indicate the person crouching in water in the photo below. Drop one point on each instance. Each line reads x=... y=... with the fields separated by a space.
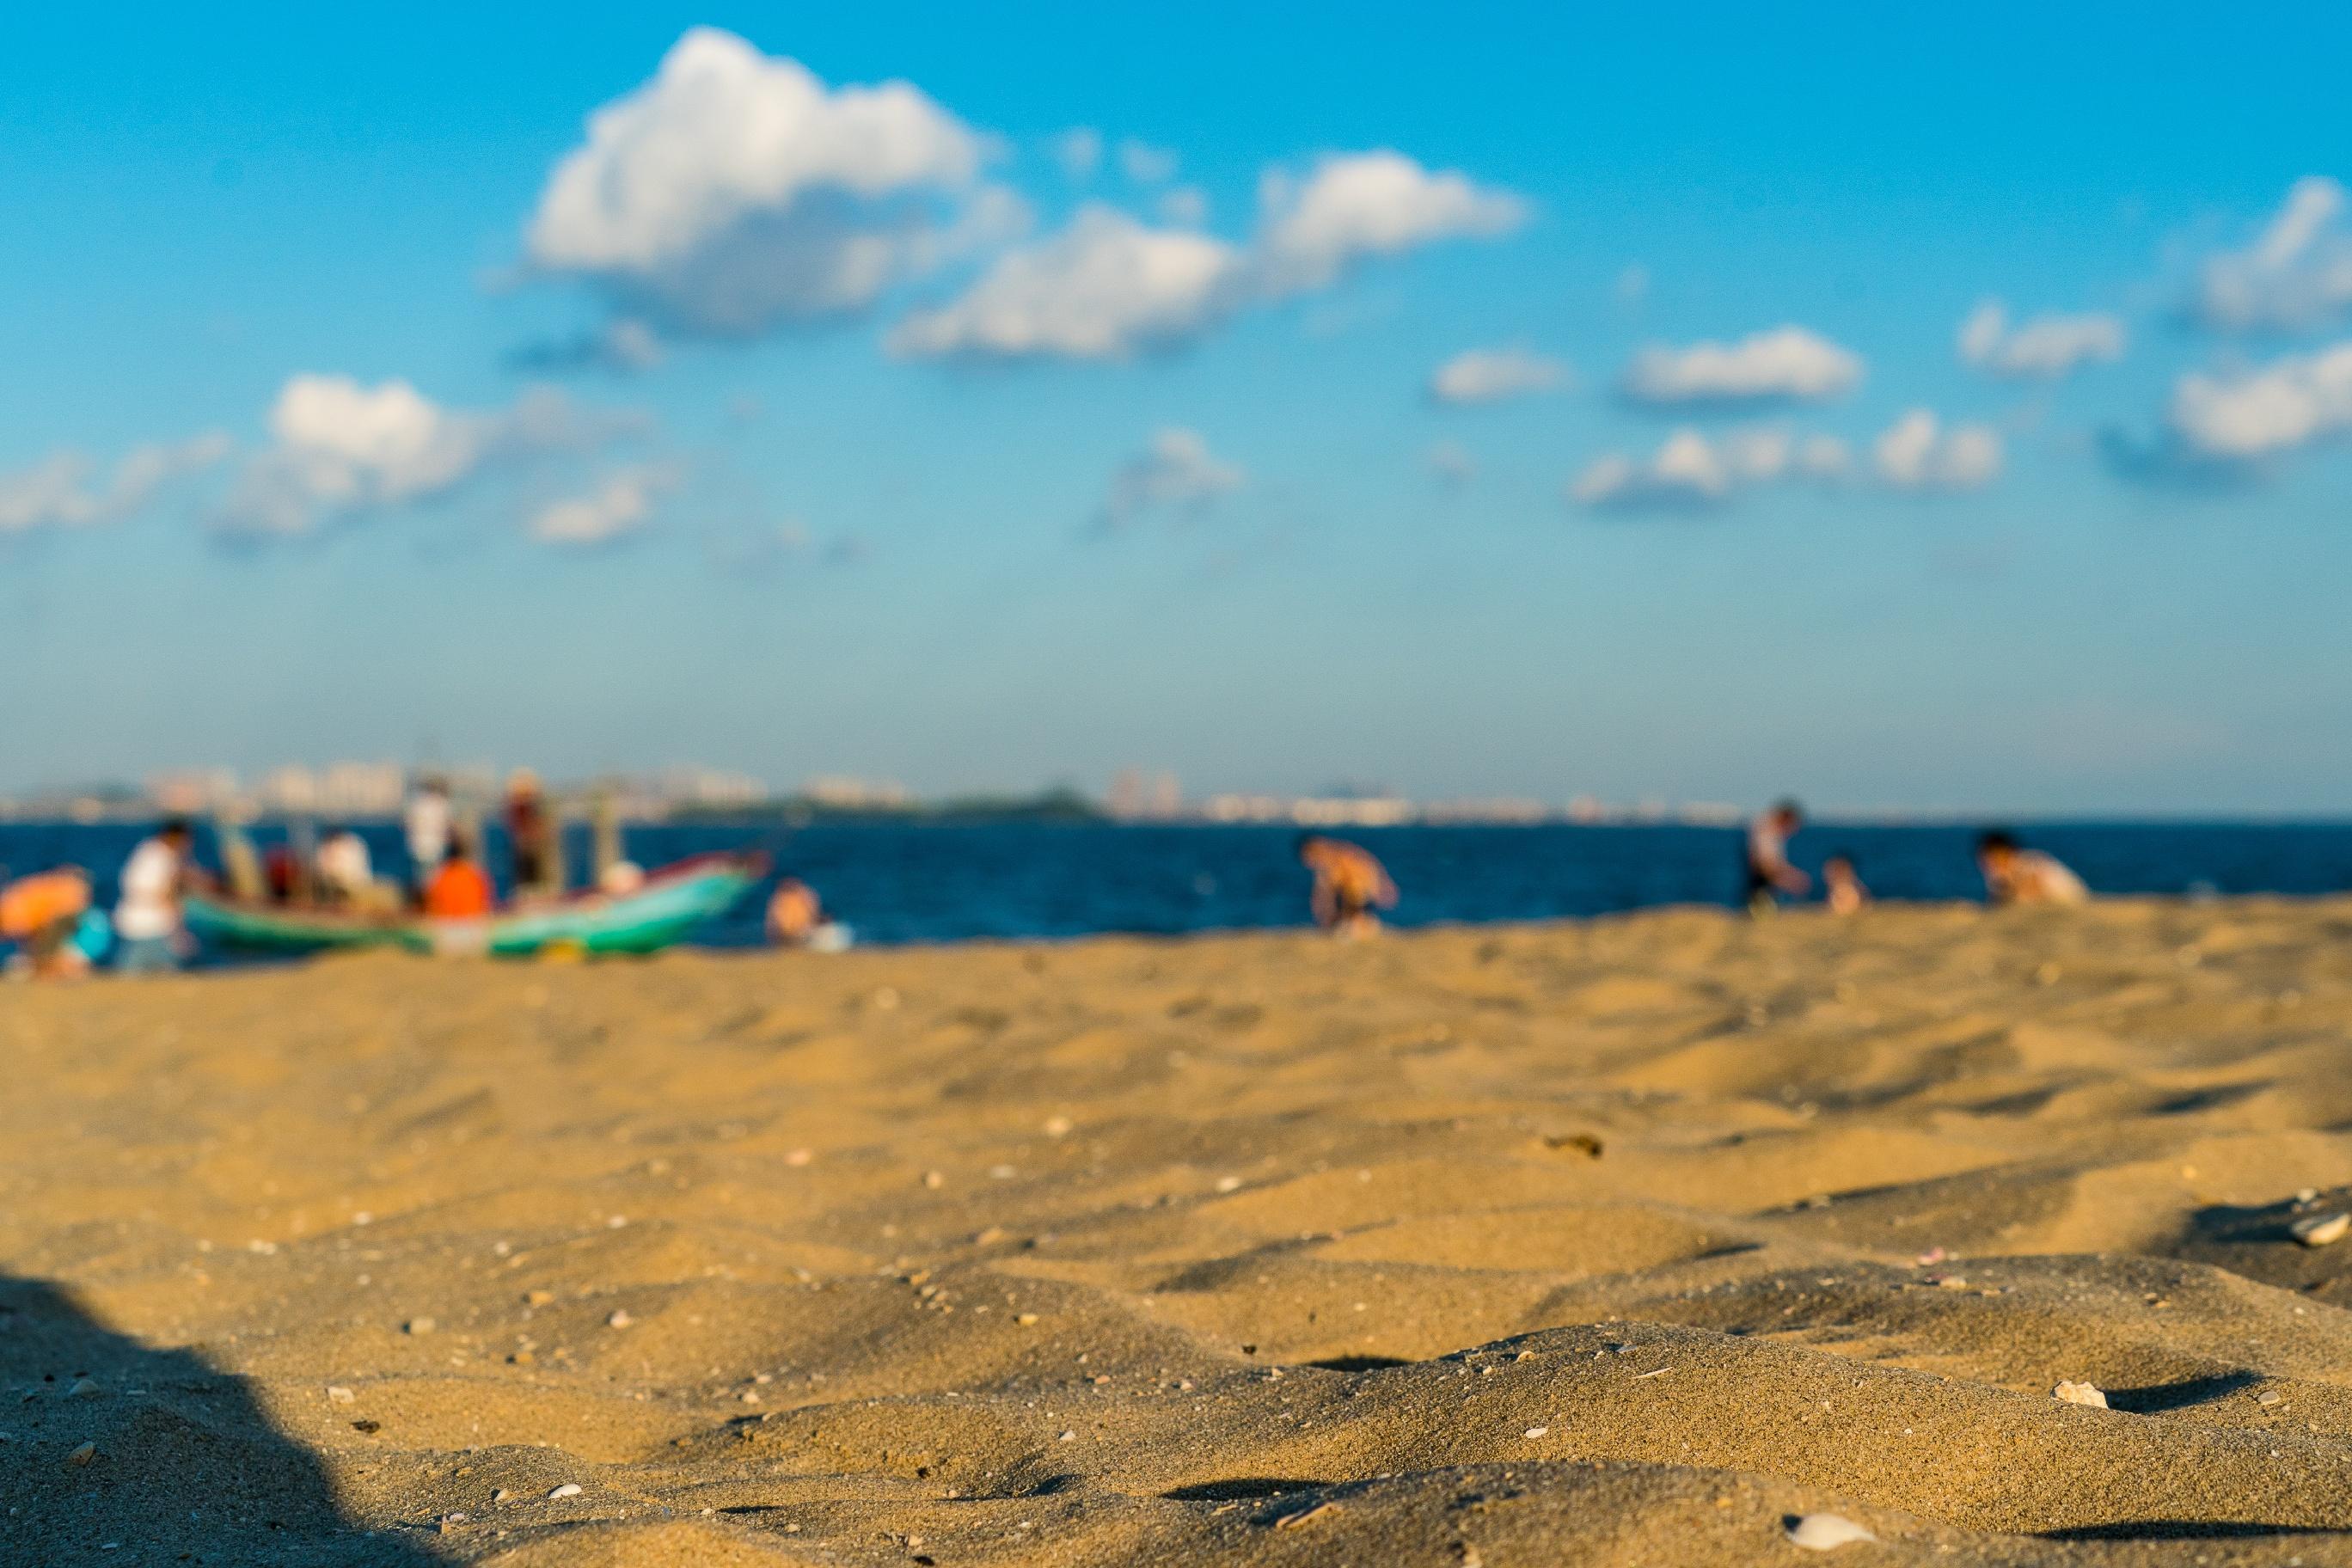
x=1767 y=873
x=1348 y=885
x=1842 y=886
x=2016 y=875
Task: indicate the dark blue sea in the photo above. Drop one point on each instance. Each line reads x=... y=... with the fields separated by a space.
x=922 y=883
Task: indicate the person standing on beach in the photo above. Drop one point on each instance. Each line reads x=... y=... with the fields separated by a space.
x=2016 y=875
x=1767 y=873
x=426 y=824
x=531 y=832
x=150 y=937
x=1348 y=885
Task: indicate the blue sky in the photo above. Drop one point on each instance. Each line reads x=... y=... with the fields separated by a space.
x=801 y=428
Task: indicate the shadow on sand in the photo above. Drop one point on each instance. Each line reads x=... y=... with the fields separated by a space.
x=118 y=1455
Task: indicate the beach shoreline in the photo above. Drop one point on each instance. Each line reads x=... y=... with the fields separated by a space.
x=1615 y=1240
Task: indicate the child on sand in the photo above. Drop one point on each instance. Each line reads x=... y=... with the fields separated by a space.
x=2016 y=875
x=1842 y=885
x=1348 y=885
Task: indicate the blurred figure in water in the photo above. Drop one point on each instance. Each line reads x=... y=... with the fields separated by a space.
x=2016 y=875
x=1767 y=873
x=794 y=914
x=1348 y=885
x=1841 y=886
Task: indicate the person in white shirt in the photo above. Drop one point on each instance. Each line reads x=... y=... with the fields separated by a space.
x=346 y=874
x=2015 y=875
x=429 y=825
x=150 y=935
x=1767 y=873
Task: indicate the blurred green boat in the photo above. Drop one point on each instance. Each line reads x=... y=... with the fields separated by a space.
x=661 y=911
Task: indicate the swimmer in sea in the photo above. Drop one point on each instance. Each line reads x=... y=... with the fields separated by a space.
x=2016 y=875
x=1842 y=886
x=1348 y=885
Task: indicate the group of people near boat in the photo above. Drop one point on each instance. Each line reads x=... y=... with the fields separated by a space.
x=53 y=919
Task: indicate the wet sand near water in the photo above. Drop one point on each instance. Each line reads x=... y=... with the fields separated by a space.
x=1614 y=1243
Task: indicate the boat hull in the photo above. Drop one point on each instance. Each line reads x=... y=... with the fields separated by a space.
x=666 y=910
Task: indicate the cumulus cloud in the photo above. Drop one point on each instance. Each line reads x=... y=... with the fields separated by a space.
x=1146 y=164
x=735 y=190
x=1105 y=288
x=1079 y=151
x=65 y=491
x=1354 y=205
x=1916 y=452
x=2298 y=273
x=1108 y=286
x=339 y=448
x=1493 y=375
x=1452 y=464
x=1785 y=365
x=1175 y=471
x=1691 y=471
x=2043 y=348
x=621 y=503
x=624 y=346
x=2290 y=403
x=1186 y=207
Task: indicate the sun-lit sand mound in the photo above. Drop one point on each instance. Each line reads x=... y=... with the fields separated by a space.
x=1638 y=1241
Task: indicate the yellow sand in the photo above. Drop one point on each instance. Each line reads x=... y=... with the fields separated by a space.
x=1588 y=1244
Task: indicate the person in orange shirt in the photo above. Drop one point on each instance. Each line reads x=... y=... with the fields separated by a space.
x=41 y=913
x=459 y=891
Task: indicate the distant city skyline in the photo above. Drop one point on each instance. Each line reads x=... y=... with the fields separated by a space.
x=1702 y=405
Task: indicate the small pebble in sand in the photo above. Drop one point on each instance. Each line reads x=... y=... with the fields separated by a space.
x=84 y=1388
x=417 y=1326
x=934 y=1180
x=2320 y=1230
x=1067 y=1438
x=2080 y=1394
x=569 y=1489
x=337 y=1395
x=2306 y=1195
x=1535 y=1432
x=1825 y=1531
x=537 y=1298
x=83 y=1454
x=501 y=1495
x=1229 y=1183
x=2268 y=1396
x=1025 y=1318
x=799 y=1156
x=619 y=1320
x=1057 y=1127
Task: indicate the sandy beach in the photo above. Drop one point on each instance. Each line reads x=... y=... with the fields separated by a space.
x=1621 y=1242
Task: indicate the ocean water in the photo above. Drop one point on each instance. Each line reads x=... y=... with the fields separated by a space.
x=899 y=883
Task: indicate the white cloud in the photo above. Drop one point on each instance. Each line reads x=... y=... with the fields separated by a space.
x=1358 y=204
x=1108 y=286
x=1144 y=163
x=1453 y=463
x=2297 y=274
x=621 y=503
x=735 y=189
x=339 y=447
x=1785 y=364
x=1079 y=151
x=2043 y=348
x=1493 y=375
x=1176 y=470
x=1916 y=452
x=624 y=346
x=60 y=492
x=1186 y=207
x=2287 y=403
x=1105 y=287
x=1689 y=470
